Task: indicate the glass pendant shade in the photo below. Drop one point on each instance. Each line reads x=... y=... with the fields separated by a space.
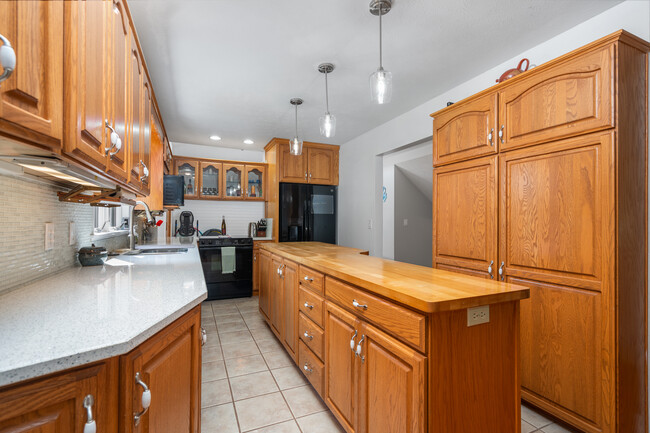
x=327 y=125
x=381 y=86
x=295 y=146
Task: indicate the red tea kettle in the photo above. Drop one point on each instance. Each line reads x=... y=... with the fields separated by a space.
x=515 y=71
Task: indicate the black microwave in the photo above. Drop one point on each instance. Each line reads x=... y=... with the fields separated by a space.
x=173 y=191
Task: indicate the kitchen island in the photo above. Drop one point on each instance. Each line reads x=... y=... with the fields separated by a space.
x=394 y=347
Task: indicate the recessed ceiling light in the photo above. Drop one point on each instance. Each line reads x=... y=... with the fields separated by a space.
x=248 y=141
x=215 y=137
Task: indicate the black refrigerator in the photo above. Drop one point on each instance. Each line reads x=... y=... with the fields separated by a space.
x=307 y=213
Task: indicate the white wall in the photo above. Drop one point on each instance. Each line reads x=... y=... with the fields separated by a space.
x=413 y=222
x=215 y=152
x=359 y=191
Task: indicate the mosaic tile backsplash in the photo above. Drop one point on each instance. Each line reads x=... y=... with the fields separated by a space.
x=25 y=207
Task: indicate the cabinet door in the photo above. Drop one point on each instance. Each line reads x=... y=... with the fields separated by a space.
x=277 y=289
x=290 y=307
x=156 y=170
x=32 y=97
x=265 y=283
x=565 y=100
x=340 y=367
x=145 y=154
x=466 y=131
x=118 y=89
x=293 y=168
x=168 y=364
x=56 y=404
x=190 y=171
x=255 y=182
x=465 y=216
x=256 y=270
x=233 y=181
x=86 y=79
x=392 y=388
x=210 y=180
x=323 y=166
x=135 y=134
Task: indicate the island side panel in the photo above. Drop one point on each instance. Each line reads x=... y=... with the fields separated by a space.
x=474 y=382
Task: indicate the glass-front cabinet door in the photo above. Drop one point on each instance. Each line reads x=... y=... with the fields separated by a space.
x=233 y=175
x=211 y=180
x=189 y=170
x=255 y=182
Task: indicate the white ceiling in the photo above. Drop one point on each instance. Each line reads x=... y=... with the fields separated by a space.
x=229 y=67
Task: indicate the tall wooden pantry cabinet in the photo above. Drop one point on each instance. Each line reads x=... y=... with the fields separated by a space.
x=542 y=181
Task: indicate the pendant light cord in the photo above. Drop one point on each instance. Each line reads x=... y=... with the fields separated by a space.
x=296 y=120
x=381 y=66
x=327 y=98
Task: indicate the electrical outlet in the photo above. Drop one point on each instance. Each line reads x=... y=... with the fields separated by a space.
x=72 y=234
x=370 y=224
x=478 y=315
x=406 y=222
x=49 y=236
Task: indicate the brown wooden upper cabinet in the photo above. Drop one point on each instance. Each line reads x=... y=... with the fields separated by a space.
x=145 y=126
x=233 y=181
x=317 y=165
x=210 y=180
x=189 y=169
x=255 y=182
x=31 y=99
x=466 y=131
x=136 y=137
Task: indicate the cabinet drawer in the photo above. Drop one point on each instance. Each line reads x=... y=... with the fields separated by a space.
x=311 y=305
x=311 y=279
x=401 y=322
x=311 y=367
x=312 y=335
x=566 y=100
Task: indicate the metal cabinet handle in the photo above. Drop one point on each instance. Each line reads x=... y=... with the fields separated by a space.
x=306 y=335
x=7 y=59
x=204 y=336
x=307 y=369
x=255 y=258
x=358 y=305
x=116 y=141
x=358 y=351
x=501 y=134
x=145 y=171
x=310 y=175
x=305 y=175
x=311 y=280
x=146 y=399
x=490 y=269
x=90 y=426
x=490 y=135
x=501 y=271
x=352 y=343
x=311 y=307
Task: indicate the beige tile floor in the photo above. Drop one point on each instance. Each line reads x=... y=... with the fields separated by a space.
x=251 y=385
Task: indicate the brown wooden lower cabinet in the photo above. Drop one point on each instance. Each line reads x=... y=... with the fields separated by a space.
x=169 y=364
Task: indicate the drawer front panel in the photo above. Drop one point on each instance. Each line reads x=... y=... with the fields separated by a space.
x=311 y=367
x=312 y=335
x=311 y=305
x=311 y=279
x=403 y=323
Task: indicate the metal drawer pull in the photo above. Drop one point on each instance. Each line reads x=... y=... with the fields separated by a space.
x=501 y=271
x=146 y=399
x=306 y=335
x=145 y=171
x=490 y=269
x=358 y=305
x=501 y=134
x=311 y=280
x=358 y=352
x=116 y=141
x=352 y=343
x=311 y=307
x=490 y=135
x=307 y=369
x=90 y=426
x=7 y=58
x=204 y=336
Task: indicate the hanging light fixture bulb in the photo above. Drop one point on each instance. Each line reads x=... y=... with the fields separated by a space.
x=381 y=81
x=327 y=121
x=295 y=144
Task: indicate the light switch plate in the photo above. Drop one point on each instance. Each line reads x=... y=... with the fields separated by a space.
x=406 y=222
x=478 y=315
x=49 y=236
x=72 y=234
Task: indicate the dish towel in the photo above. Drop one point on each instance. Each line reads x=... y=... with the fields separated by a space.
x=228 y=260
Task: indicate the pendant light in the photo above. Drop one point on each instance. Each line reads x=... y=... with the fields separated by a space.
x=381 y=81
x=295 y=144
x=327 y=121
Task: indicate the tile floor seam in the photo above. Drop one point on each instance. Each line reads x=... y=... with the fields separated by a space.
x=232 y=397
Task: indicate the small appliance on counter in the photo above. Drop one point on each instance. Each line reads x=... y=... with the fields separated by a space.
x=227 y=265
x=186 y=220
x=92 y=256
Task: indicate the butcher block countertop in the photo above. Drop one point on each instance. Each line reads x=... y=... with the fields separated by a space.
x=418 y=287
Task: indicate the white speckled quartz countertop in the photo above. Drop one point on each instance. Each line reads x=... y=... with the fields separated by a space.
x=85 y=314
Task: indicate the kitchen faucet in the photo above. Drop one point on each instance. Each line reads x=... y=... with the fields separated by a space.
x=132 y=222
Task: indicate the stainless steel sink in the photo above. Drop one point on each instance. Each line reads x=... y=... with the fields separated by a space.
x=162 y=250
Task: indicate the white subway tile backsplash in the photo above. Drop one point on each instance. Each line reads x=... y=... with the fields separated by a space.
x=25 y=207
x=209 y=213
